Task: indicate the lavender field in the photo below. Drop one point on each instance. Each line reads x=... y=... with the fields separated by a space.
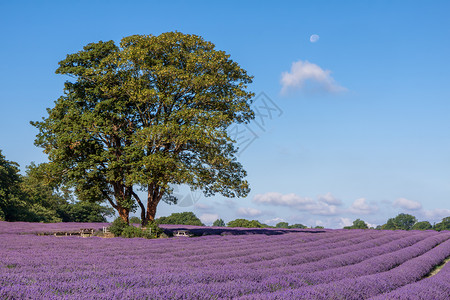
x=223 y=264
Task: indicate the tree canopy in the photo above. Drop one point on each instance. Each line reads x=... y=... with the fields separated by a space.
x=246 y=223
x=443 y=225
x=357 y=224
x=401 y=221
x=219 y=223
x=423 y=225
x=282 y=225
x=30 y=198
x=184 y=218
x=10 y=197
x=147 y=113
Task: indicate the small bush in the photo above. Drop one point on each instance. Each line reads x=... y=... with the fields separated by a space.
x=152 y=231
x=131 y=232
x=117 y=226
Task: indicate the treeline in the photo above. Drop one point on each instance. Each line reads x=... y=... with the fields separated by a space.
x=30 y=198
x=404 y=222
x=400 y=222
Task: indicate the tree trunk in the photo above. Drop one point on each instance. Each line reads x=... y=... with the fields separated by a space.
x=123 y=213
x=143 y=218
x=153 y=198
x=151 y=210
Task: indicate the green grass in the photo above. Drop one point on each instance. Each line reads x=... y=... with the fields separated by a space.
x=437 y=268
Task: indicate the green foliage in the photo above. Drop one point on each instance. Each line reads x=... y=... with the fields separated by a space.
x=219 y=223
x=135 y=220
x=401 y=221
x=424 y=225
x=83 y=211
x=149 y=112
x=319 y=227
x=153 y=231
x=118 y=226
x=131 y=231
x=12 y=205
x=246 y=224
x=301 y=226
x=444 y=225
x=184 y=218
x=282 y=225
x=357 y=224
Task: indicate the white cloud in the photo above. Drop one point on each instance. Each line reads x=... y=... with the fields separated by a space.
x=249 y=211
x=345 y=222
x=282 y=200
x=314 y=38
x=329 y=199
x=274 y=221
x=202 y=206
x=208 y=218
x=436 y=215
x=325 y=205
x=304 y=73
x=361 y=206
x=407 y=204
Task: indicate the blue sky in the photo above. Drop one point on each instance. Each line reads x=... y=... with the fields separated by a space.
x=361 y=127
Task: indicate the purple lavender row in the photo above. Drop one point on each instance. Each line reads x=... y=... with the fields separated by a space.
x=116 y=280
x=364 y=287
x=436 y=287
x=273 y=251
x=395 y=241
x=26 y=227
x=185 y=270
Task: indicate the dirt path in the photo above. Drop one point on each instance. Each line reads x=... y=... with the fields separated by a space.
x=438 y=268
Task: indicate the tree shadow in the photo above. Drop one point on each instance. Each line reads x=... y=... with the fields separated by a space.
x=225 y=231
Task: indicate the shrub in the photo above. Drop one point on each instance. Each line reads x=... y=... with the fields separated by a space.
x=152 y=231
x=117 y=226
x=132 y=231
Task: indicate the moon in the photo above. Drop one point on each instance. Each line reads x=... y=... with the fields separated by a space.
x=314 y=38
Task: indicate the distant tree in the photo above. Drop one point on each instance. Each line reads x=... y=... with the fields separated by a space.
x=424 y=225
x=219 y=223
x=319 y=227
x=12 y=204
x=357 y=224
x=32 y=198
x=135 y=220
x=47 y=204
x=84 y=211
x=44 y=202
x=405 y=221
x=282 y=225
x=401 y=221
x=443 y=225
x=184 y=218
x=301 y=226
x=390 y=225
x=246 y=224
x=147 y=113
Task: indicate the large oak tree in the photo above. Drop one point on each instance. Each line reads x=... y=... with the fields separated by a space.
x=148 y=113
